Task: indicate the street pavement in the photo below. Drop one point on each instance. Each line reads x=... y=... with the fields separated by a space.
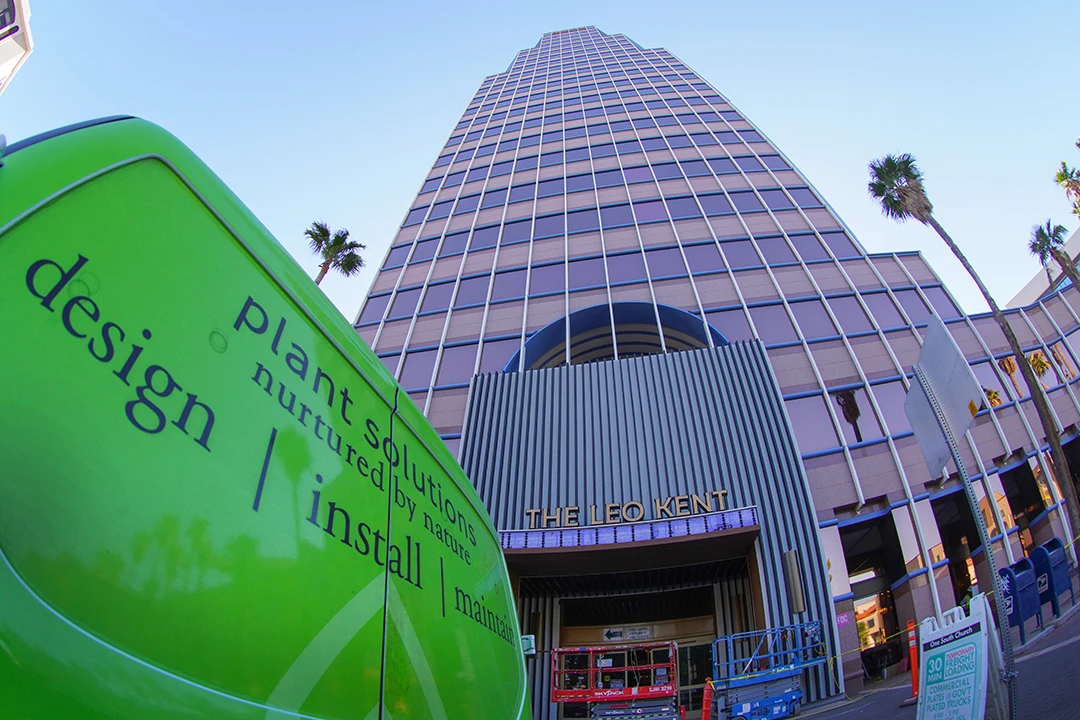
x=1048 y=681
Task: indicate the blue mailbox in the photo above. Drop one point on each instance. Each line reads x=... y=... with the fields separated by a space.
x=1018 y=583
x=1052 y=573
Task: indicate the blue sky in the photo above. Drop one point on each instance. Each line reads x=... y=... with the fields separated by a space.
x=336 y=110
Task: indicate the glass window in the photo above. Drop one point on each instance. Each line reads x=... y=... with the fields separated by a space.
x=467 y=204
x=522 y=192
x=495 y=355
x=654 y=143
x=415 y=216
x=772 y=323
x=477 y=174
x=586 y=273
x=722 y=165
x=890 y=398
x=775 y=250
x=811 y=423
x=441 y=210
x=374 y=308
x=502 y=168
x=456 y=365
x=776 y=200
x=551 y=158
x=741 y=254
x=609 y=178
x=683 y=208
x=548 y=278
x=453 y=244
x=494 y=198
x=715 y=204
x=883 y=310
x=508 y=285
x=701 y=139
x=454 y=179
x=547 y=188
x=485 y=237
x=637 y=174
x=626 y=268
x=775 y=162
x=667 y=171
x=943 y=306
x=397 y=255
x=809 y=248
x=804 y=197
x=746 y=202
x=732 y=324
x=404 y=303
x=850 y=314
x=471 y=291
x=649 y=211
x=526 y=163
x=430 y=185
x=579 y=182
x=616 y=216
x=425 y=250
x=599 y=151
x=703 y=258
x=666 y=262
x=913 y=305
x=813 y=320
x=751 y=136
x=749 y=163
x=856 y=417
x=695 y=168
x=577 y=154
x=840 y=244
x=679 y=141
x=549 y=226
x=437 y=297
x=416 y=372
x=583 y=220
x=516 y=231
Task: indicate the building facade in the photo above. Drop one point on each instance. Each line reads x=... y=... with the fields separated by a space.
x=677 y=379
x=16 y=42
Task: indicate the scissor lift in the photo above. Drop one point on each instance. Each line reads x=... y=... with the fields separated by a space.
x=758 y=674
x=619 y=681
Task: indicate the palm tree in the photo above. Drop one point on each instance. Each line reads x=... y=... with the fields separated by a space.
x=1039 y=365
x=336 y=250
x=1048 y=241
x=849 y=405
x=1069 y=180
x=896 y=182
x=1008 y=366
x=992 y=396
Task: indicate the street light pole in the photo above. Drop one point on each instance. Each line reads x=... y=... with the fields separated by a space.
x=984 y=537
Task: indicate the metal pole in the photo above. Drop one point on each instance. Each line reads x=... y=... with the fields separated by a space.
x=999 y=597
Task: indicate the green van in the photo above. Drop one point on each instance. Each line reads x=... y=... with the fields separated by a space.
x=214 y=500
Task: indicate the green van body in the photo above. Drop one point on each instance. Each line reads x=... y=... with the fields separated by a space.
x=214 y=500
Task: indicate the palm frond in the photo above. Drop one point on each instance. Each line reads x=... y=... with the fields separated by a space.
x=896 y=182
x=349 y=264
x=318 y=236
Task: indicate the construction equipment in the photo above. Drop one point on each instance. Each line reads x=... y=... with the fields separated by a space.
x=758 y=674
x=619 y=681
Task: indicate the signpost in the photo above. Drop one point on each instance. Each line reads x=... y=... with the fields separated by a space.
x=941 y=405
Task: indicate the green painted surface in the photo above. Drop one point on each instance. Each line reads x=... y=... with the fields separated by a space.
x=208 y=480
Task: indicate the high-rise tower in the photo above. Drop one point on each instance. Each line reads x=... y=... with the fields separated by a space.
x=599 y=202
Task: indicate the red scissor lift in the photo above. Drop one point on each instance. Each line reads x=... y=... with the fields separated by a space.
x=619 y=681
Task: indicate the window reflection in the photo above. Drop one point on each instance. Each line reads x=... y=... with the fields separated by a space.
x=811 y=423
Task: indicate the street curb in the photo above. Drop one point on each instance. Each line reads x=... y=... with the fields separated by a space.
x=1048 y=628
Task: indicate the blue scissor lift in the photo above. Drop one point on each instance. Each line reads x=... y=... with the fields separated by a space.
x=758 y=674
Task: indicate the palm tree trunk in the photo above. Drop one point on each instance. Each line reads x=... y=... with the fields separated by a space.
x=1067 y=266
x=1042 y=407
x=323 y=269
